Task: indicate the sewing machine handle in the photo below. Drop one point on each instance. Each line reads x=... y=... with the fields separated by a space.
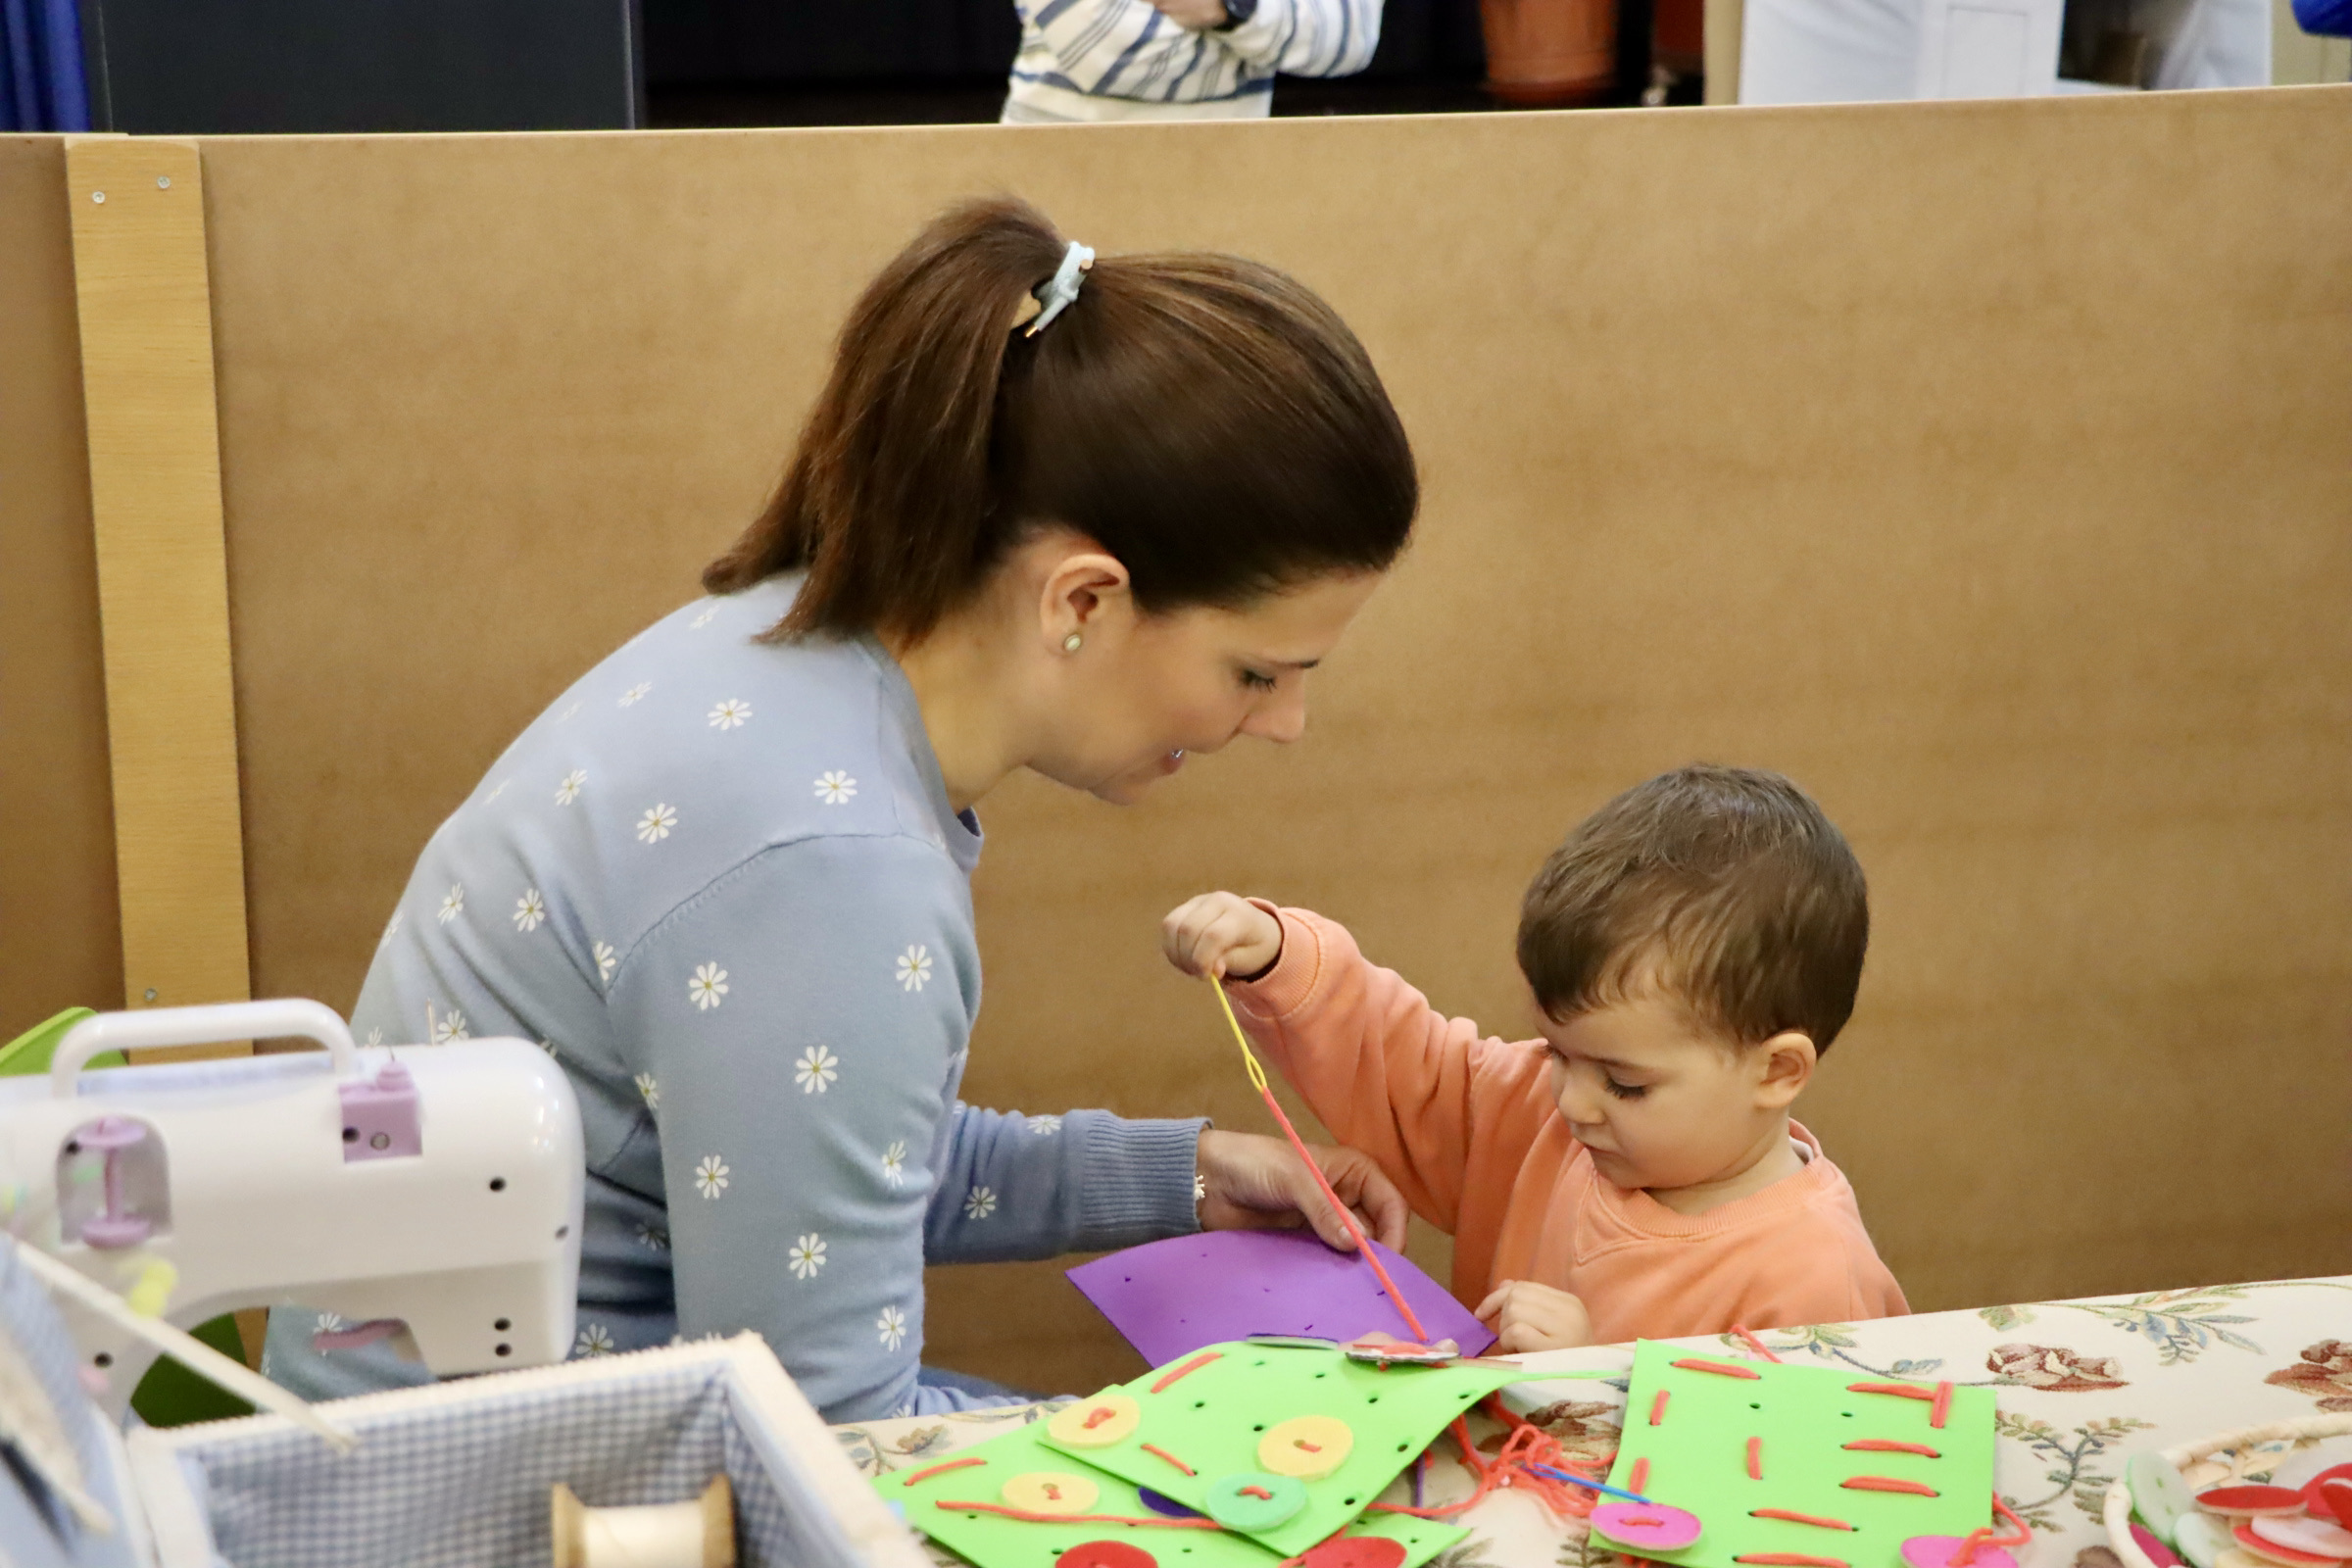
x=288 y=1017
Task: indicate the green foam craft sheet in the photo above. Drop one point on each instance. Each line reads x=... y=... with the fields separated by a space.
x=1212 y=1410
x=1727 y=1439
x=996 y=1541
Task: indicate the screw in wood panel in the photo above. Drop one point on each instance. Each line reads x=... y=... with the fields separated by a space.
x=151 y=993
x=162 y=182
x=98 y=196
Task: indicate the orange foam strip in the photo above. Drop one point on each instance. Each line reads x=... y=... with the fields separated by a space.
x=1890 y=1446
x=1193 y=1365
x=1902 y=1390
x=1755 y=1459
x=1728 y=1369
x=1158 y=1453
x=1638 y=1478
x=1942 y=1406
x=1657 y=1409
x=1798 y=1518
x=1888 y=1484
x=940 y=1470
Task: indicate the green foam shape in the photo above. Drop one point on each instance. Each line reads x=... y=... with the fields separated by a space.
x=1212 y=1419
x=994 y=1541
x=1698 y=1458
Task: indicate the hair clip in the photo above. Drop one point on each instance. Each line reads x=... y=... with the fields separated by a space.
x=1058 y=292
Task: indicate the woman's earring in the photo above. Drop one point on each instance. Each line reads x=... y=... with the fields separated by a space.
x=1070 y=644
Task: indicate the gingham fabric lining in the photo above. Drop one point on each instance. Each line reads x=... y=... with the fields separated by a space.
x=465 y=1484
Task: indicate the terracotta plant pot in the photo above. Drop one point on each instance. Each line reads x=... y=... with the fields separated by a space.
x=1550 y=52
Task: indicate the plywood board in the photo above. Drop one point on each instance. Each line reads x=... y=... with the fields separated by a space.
x=60 y=945
x=1979 y=464
x=145 y=324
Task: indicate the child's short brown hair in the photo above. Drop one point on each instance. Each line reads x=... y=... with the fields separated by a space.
x=1725 y=887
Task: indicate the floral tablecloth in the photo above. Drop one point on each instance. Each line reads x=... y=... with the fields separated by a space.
x=2082 y=1385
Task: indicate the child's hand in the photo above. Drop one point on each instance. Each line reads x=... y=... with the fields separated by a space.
x=1221 y=934
x=1526 y=1316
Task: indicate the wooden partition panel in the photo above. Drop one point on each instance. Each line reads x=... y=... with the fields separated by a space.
x=1983 y=466
x=60 y=938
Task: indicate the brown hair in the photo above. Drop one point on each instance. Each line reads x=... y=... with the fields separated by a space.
x=1207 y=420
x=1727 y=887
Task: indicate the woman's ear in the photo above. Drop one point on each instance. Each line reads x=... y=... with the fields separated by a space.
x=1783 y=1067
x=1085 y=593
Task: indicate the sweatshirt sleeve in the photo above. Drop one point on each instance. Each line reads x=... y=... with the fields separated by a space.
x=1308 y=37
x=1015 y=1187
x=1387 y=1072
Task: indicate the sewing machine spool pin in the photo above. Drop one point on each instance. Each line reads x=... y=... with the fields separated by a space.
x=116 y=1139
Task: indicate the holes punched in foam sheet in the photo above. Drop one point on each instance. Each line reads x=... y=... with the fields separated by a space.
x=1785 y=1462
x=1212 y=1410
x=994 y=1540
x=1171 y=1298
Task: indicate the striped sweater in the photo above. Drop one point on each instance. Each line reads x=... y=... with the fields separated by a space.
x=1094 y=60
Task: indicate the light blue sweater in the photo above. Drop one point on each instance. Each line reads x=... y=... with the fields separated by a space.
x=721 y=881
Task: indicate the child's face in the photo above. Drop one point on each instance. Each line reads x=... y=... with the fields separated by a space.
x=1662 y=1100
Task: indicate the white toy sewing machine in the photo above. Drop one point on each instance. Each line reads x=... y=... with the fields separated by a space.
x=437 y=1185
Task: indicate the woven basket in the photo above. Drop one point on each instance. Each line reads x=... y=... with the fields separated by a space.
x=2228 y=1446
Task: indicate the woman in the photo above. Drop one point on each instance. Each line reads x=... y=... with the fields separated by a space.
x=1084 y=530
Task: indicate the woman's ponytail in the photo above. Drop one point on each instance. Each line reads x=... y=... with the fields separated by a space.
x=1208 y=421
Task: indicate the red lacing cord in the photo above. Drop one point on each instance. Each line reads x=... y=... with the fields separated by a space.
x=1528 y=1444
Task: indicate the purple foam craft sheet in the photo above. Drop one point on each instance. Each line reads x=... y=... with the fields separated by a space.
x=1171 y=1298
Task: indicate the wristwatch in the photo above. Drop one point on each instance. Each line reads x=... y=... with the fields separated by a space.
x=1237 y=12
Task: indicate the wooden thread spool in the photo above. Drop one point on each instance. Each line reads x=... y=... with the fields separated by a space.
x=673 y=1535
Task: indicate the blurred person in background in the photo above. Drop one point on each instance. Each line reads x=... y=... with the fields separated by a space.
x=1097 y=59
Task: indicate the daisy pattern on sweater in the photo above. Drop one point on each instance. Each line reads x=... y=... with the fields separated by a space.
x=740 y=902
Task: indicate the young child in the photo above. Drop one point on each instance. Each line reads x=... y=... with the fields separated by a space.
x=1692 y=950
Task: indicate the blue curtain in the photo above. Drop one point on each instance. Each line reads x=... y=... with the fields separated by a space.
x=41 y=85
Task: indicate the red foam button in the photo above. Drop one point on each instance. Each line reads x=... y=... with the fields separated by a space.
x=2331 y=1493
x=2269 y=1551
x=2251 y=1501
x=1355 y=1551
x=1106 y=1554
x=2162 y=1556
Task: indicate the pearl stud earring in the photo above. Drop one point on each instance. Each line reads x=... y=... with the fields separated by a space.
x=1071 y=643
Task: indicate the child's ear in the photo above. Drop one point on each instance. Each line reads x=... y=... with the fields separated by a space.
x=1784 y=1065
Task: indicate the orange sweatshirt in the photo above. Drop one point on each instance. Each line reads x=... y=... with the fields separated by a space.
x=1467 y=1128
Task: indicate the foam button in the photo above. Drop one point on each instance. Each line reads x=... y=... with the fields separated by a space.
x=1306 y=1446
x=1249 y=1503
x=1051 y=1492
x=1106 y=1554
x=2319 y=1538
x=2330 y=1495
x=2162 y=1556
x=1096 y=1423
x=2202 y=1538
x=2270 y=1552
x=2158 y=1493
x=1646 y=1525
x=2248 y=1501
x=1355 y=1551
x=1938 y=1551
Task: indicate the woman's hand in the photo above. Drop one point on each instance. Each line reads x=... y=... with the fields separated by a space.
x=1526 y=1316
x=1253 y=1183
x=1221 y=934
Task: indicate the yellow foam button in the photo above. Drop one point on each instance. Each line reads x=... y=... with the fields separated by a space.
x=1305 y=1447
x=1096 y=1423
x=1051 y=1492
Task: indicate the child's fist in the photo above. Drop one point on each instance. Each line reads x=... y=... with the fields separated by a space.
x=1221 y=934
x=1535 y=1317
